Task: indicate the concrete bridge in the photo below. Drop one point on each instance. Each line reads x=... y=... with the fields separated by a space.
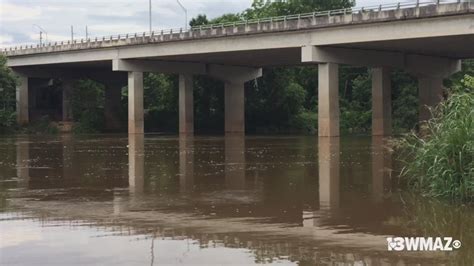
x=427 y=39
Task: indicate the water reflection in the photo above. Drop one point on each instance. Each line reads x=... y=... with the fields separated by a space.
x=136 y=164
x=381 y=167
x=22 y=159
x=186 y=162
x=329 y=172
x=276 y=199
x=235 y=161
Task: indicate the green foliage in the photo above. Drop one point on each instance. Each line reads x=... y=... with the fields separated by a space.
x=160 y=102
x=262 y=8
x=44 y=125
x=356 y=109
x=7 y=97
x=87 y=104
x=441 y=163
x=201 y=19
x=404 y=101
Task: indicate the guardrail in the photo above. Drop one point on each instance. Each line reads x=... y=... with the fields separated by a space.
x=297 y=17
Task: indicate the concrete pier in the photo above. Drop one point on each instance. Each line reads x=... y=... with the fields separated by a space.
x=22 y=110
x=234 y=107
x=186 y=104
x=328 y=100
x=381 y=102
x=135 y=103
x=430 y=90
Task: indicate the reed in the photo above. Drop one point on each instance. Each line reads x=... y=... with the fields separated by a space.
x=440 y=162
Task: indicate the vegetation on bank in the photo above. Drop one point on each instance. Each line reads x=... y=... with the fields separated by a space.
x=7 y=97
x=440 y=161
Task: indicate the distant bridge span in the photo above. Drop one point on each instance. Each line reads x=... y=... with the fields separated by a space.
x=427 y=39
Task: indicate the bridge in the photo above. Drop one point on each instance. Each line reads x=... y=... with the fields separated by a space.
x=427 y=39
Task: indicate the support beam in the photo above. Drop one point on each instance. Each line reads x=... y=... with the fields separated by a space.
x=158 y=66
x=413 y=63
x=186 y=104
x=234 y=78
x=234 y=74
x=381 y=102
x=67 y=87
x=135 y=103
x=328 y=100
x=234 y=107
x=430 y=91
x=22 y=110
x=358 y=57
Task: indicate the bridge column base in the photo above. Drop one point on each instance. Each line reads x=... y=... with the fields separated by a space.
x=22 y=106
x=234 y=107
x=328 y=100
x=135 y=103
x=381 y=102
x=186 y=104
x=430 y=91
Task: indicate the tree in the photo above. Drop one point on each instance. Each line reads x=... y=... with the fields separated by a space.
x=8 y=84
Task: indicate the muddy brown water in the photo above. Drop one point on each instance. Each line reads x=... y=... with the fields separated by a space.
x=164 y=200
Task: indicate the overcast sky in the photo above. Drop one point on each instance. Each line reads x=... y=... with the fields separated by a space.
x=103 y=17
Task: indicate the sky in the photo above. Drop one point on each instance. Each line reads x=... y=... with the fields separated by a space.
x=21 y=20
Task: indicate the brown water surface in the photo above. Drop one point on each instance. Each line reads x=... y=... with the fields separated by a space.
x=157 y=200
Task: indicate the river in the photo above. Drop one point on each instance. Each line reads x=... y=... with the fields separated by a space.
x=168 y=200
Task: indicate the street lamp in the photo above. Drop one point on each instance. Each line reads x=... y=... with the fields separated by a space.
x=185 y=15
x=149 y=13
x=41 y=33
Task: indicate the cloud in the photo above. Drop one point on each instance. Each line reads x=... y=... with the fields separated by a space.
x=11 y=12
x=5 y=39
x=103 y=17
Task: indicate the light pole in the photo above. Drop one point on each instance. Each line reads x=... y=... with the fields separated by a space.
x=185 y=15
x=41 y=33
x=149 y=13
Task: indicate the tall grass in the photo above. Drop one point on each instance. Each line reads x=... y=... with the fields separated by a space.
x=440 y=162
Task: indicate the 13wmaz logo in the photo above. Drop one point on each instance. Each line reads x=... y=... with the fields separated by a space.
x=422 y=244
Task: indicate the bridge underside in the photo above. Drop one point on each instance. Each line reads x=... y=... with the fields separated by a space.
x=429 y=49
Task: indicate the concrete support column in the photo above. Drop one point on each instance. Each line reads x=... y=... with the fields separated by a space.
x=22 y=110
x=430 y=91
x=234 y=107
x=135 y=103
x=67 y=96
x=328 y=100
x=113 y=95
x=381 y=102
x=186 y=104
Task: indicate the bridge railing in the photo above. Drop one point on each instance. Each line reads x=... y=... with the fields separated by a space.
x=250 y=22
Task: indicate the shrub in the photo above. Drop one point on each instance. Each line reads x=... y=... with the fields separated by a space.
x=440 y=162
x=7 y=97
